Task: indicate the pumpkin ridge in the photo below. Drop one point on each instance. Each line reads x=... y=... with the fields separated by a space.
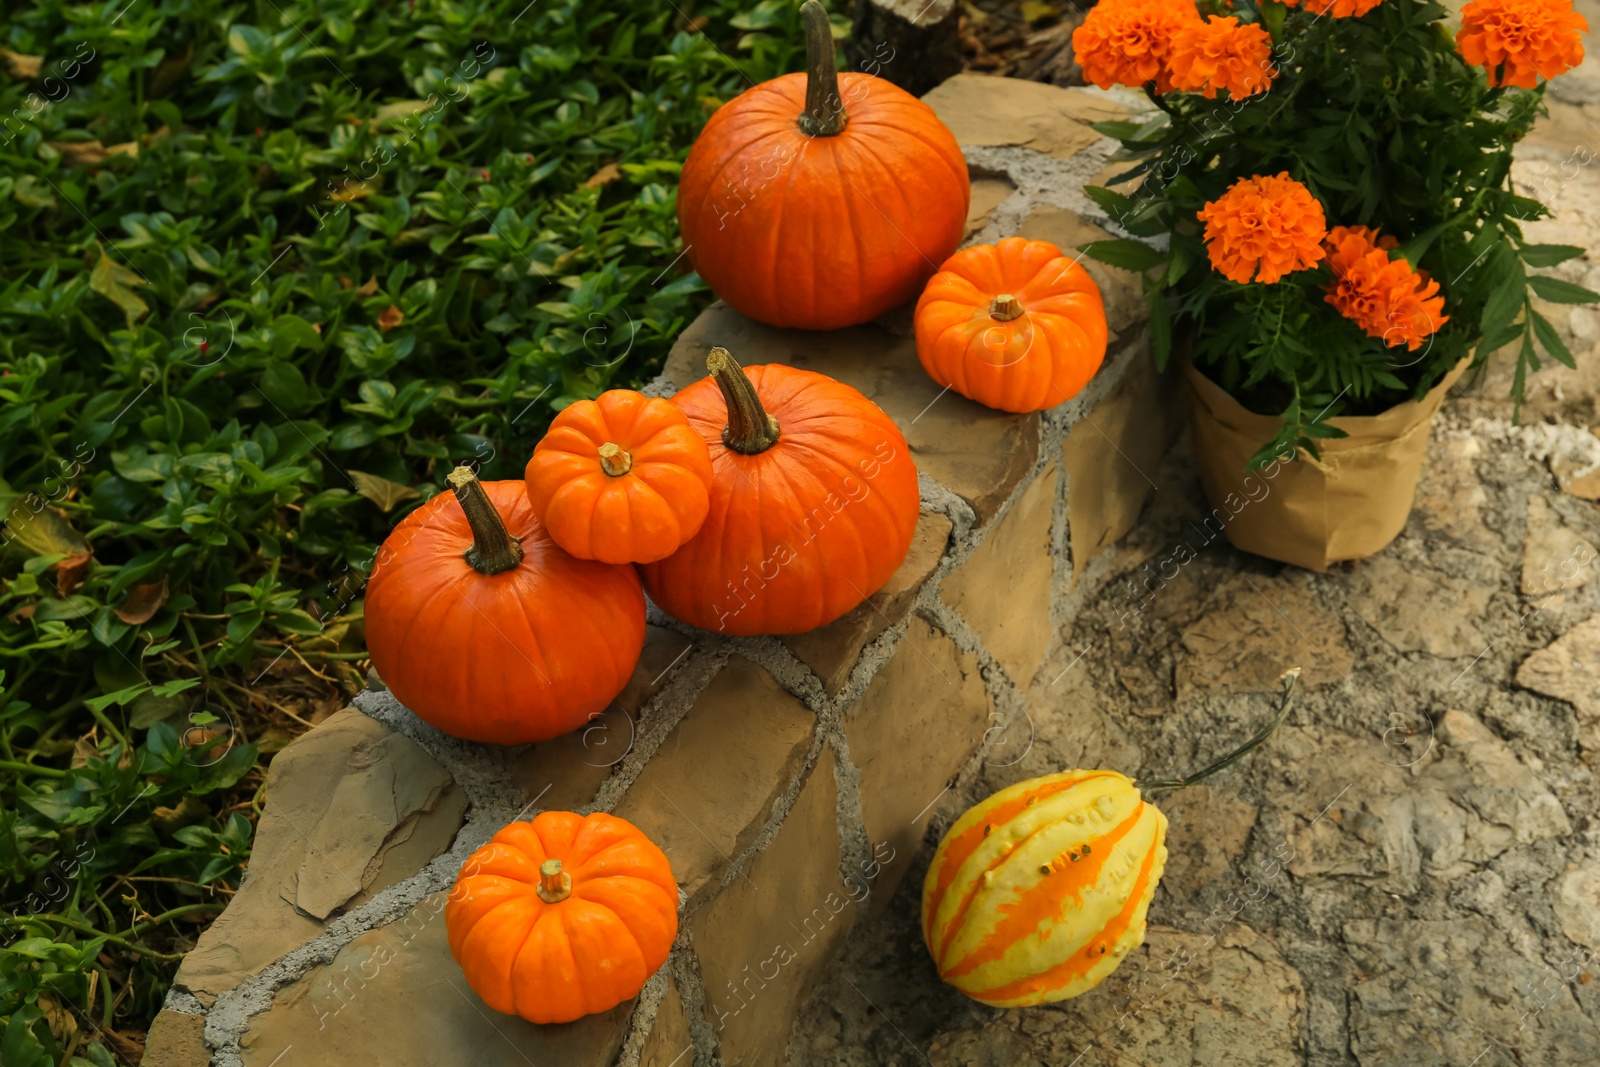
x=905 y=200
x=1024 y=916
x=731 y=157
x=1081 y=962
x=775 y=243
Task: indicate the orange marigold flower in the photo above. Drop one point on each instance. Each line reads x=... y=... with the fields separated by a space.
x=1221 y=53
x=1339 y=9
x=1518 y=41
x=1271 y=224
x=1125 y=42
x=1385 y=297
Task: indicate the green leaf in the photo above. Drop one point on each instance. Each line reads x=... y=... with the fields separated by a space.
x=1559 y=292
x=1548 y=255
x=1551 y=340
x=1127 y=254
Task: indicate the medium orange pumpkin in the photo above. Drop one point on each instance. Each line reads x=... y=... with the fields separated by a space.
x=818 y=200
x=621 y=479
x=1015 y=326
x=1039 y=892
x=813 y=502
x=563 y=916
x=481 y=624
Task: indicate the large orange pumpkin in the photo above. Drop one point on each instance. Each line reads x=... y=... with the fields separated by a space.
x=813 y=502
x=818 y=200
x=563 y=916
x=1036 y=894
x=621 y=479
x=1015 y=326
x=484 y=627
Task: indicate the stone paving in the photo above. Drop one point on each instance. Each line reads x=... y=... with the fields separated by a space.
x=1408 y=873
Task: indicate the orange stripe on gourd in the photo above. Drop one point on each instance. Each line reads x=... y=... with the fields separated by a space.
x=1025 y=991
x=968 y=832
x=1044 y=902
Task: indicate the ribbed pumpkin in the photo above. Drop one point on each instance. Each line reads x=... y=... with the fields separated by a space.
x=563 y=916
x=481 y=624
x=1015 y=326
x=621 y=479
x=817 y=200
x=1039 y=892
x=814 y=502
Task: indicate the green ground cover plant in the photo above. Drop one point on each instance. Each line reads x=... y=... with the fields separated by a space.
x=267 y=271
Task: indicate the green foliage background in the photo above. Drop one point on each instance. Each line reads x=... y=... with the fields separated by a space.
x=357 y=242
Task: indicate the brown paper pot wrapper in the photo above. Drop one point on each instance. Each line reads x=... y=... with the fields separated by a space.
x=1311 y=513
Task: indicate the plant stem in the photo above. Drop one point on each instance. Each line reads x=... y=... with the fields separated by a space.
x=824 y=115
x=750 y=429
x=29 y=768
x=493 y=549
x=1152 y=790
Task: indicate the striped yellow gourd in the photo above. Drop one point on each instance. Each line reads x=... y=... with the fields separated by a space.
x=1037 y=893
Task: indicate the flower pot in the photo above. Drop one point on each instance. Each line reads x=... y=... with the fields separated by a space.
x=1347 y=505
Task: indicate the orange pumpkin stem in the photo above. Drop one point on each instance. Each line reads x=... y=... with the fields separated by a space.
x=555 y=885
x=750 y=429
x=615 y=460
x=824 y=115
x=1005 y=307
x=493 y=548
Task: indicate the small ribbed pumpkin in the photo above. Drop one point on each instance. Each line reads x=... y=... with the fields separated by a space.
x=1039 y=892
x=814 y=502
x=487 y=629
x=563 y=916
x=817 y=200
x=1016 y=326
x=620 y=479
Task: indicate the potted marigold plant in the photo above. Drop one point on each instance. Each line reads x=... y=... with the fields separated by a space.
x=1341 y=239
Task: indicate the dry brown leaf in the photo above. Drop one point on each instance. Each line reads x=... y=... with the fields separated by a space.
x=143 y=602
x=381 y=491
x=22 y=66
x=368 y=287
x=392 y=316
x=344 y=282
x=114 y=282
x=23 y=613
x=605 y=175
x=81 y=153
x=70 y=572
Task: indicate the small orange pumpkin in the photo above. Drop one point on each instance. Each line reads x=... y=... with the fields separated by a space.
x=621 y=479
x=814 y=501
x=1015 y=326
x=563 y=916
x=1039 y=892
x=817 y=200
x=481 y=624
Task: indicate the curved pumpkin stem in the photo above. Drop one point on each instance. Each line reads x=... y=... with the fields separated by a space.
x=555 y=885
x=750 y=429
x=493 y=548
x=824 y=115
x=1155 y=789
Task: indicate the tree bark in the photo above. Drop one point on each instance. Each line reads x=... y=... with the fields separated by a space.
x=916 y=44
